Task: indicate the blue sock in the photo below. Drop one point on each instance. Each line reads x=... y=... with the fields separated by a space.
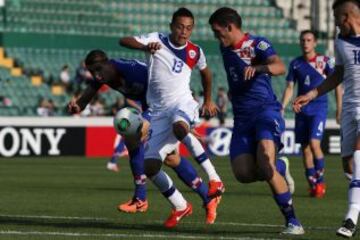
x=137 y=169
x=187 y=173
x=281 y=167
x=310 y=174
x=284 y=202
x=319 y=167
x=117 y=151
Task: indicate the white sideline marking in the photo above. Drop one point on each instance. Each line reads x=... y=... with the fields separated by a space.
x=96 y=219
x=123 y=235
x=55 y=217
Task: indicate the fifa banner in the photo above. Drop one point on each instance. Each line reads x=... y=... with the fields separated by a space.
x=95 y=137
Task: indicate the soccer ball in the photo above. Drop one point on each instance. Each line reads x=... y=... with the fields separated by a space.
x=128 y=121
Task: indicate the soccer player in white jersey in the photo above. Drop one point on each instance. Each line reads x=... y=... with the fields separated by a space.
x=171 y=58
x=347 y=70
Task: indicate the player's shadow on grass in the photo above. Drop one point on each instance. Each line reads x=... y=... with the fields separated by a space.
x=82 y=225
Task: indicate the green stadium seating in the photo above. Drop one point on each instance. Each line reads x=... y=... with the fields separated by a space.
x=116 y=18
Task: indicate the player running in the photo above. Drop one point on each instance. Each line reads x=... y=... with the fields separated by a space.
x=130 y=78
x=347 y=70
x=249 y=62
x=171 y=58
x=309 y=71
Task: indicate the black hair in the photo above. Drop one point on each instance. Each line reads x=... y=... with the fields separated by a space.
x=338 y=3
x=182 y=12
x=224 y=16
x=95 y=56
x=302 y=33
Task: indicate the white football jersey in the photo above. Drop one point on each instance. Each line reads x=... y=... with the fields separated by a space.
x=347 y=54
x=170 y=70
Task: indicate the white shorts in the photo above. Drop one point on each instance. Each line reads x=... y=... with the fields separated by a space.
x=162 y=140
x=350 y=129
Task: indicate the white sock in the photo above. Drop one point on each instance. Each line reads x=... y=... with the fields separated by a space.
x=210 y=170
x=354 y=190
x=177 y=200
x=198 y=152
x=164 y=183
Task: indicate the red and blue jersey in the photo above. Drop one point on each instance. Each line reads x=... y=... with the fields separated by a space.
x=254 y=95
x=308 y=74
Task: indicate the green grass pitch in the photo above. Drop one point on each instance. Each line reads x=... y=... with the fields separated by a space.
x=76 y=198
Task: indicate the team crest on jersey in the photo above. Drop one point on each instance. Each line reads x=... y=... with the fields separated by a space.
x=331 y=62
x=192 y=54
x=263 y=45
x=319 y=64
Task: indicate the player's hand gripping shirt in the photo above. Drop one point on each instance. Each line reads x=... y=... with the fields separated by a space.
x=254 y=95
x=309 y=75
x=170 y=70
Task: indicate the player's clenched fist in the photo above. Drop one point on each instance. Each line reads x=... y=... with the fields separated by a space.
x=209 y=109
x=249 y=72
x=153 y=47
x=73 y=107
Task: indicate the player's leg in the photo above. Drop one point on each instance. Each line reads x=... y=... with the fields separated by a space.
x=184 y=117
x=310 y=172
x=112 y=164
x=302 y=136
x=349 y=225
x=319 y=164
x=181 y=208
x=282 y=165
x=242 y=154
x=269 y=127
x=161 y=143
x=188 y=174
x=347 y=163
x=266 y=157
x=135 y=146
x=317 y=125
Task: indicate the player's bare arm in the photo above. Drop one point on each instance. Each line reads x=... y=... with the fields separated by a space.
x=329 y=84
x=339 y=91
x=273 y=66
x=133 y=104
x=78 y=105
x=130 y=42
x=288 y=93
x=209 y=107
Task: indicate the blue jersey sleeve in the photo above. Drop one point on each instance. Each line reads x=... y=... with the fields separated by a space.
x=264 y=49
x=290 y=76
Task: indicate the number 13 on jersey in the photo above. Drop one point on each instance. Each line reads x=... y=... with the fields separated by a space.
x=178 y=65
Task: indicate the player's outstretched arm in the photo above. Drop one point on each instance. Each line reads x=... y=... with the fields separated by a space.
x=78 y=105
x=327 y=85
x=273 y=66
x=287 y=95
x=131 y=42
x=209 y=107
